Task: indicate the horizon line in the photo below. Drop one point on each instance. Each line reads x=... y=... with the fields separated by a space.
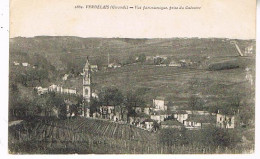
x=139 y=38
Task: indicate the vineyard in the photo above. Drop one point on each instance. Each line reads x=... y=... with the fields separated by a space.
x=88 y=136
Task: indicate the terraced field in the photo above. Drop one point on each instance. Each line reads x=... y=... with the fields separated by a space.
x=83 y=135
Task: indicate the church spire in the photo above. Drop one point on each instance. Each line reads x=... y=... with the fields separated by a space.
x=87 y=81
x=87 y=65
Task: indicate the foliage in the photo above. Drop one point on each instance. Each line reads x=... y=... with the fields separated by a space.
x=223 y=66
x=172 y=136
x=94 y=105
x=196 y=103
x=111 y=96
x=214 y=137
x=142 y=58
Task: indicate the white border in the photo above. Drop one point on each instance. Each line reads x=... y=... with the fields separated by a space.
x=4 y=49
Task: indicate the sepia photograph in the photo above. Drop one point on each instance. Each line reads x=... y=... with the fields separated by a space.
x=176 y=77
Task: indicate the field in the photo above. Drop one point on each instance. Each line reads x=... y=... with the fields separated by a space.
x=87 y=136
x=174 y=83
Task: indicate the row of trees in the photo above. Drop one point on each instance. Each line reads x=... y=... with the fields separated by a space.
x=114 y=97
x=212 y=137
x=24 y=102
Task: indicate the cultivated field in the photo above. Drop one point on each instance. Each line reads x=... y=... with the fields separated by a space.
x=89 y=136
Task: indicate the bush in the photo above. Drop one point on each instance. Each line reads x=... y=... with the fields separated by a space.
x=223 y=66
x=214 y=137
x=172 y=136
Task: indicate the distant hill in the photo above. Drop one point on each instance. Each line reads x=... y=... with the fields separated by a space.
x=60 y=50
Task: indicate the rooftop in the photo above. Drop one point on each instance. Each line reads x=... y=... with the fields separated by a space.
x=202 y=118
x=180 y=112
x=142 y=115
x=160 y=98
x=148 y=120
x=159 y=112
x=171 y=122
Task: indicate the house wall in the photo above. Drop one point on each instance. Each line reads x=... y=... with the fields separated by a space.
x=192 y=124
x=149 y=125
x=147 y=111
x=156 y=118
x=159 y=104
x=181 y=117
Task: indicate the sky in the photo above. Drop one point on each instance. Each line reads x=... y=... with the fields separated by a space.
x=216 y=18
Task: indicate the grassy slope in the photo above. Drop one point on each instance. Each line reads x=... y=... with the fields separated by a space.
x=166 y=81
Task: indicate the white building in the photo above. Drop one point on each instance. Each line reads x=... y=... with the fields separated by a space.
x=181 y=116
x=41 y=90
x=159 y=116
x=65 y=77
x=16 y=63
x=225 y=121
x=148 y=124
x=159 y=104
x=147 y=110
x=94 y=68
x=199 y=121
x=25 y=64
x=249 y=49
x=174 y=64
x=53 y=88
x=114 y=65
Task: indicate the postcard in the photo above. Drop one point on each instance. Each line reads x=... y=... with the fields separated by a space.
x=132 y=77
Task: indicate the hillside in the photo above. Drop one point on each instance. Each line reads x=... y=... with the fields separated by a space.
x=62 y=50
x=65 y=53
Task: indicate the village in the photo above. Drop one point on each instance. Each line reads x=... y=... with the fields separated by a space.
x=161 y=114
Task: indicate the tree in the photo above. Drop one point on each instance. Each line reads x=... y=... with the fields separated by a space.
x=172 y=136
x=196 y=103
x=158 y=60
x=130 y=60
x=142 y=58
x=112 y=96
x=94 y=105
x=131 y=101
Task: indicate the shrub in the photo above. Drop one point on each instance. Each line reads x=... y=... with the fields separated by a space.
x=173 y=136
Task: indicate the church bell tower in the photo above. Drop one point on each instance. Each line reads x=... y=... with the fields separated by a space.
x=87 y=82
